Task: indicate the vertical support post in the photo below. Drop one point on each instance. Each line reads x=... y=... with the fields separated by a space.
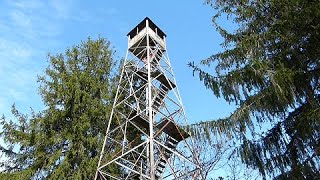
x=110 y=118
x=151 y=150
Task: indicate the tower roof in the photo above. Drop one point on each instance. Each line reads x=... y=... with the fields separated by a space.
x=142 y=25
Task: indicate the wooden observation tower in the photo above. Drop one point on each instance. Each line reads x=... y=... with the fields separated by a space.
x=147 y=135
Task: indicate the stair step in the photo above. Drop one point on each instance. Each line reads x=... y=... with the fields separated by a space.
x=158 y=101
x=139 y=120
x=160 y=77
x=164 y=88
x=160 y=171
x=170 y=145
x=167 y=151
x=160 y=96
x=158 y=174
x=162 y=160
x=161 y=165
x=172 y=140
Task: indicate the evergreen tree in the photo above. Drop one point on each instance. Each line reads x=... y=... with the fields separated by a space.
x=270 y=68
x=64 y=140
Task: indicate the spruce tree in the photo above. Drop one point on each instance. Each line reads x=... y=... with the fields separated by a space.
x=64 y=140
x=269 y=68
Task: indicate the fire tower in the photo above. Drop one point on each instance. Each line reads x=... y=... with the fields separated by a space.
x=147 y=135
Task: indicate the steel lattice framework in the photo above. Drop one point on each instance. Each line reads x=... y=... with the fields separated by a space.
x=147 y=136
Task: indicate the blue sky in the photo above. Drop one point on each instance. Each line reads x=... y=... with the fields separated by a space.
x=31 y=29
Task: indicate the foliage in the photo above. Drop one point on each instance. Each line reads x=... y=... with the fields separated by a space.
x=64 y=140
x=270 y=68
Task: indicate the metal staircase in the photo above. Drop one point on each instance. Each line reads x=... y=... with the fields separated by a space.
x=171 y=144
x=146 y=136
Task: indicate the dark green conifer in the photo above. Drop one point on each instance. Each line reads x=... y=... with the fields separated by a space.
x=270 y=68
x=64 y=140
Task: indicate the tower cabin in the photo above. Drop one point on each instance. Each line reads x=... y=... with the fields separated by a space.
x=147 y=34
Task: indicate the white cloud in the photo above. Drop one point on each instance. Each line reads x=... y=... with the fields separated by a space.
x=62 y=7
x=28 y=29
x=16 y=71
x=30 y=4
x=31 y=21
x=11 y=50
x=67 y=10
x=21 y=19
